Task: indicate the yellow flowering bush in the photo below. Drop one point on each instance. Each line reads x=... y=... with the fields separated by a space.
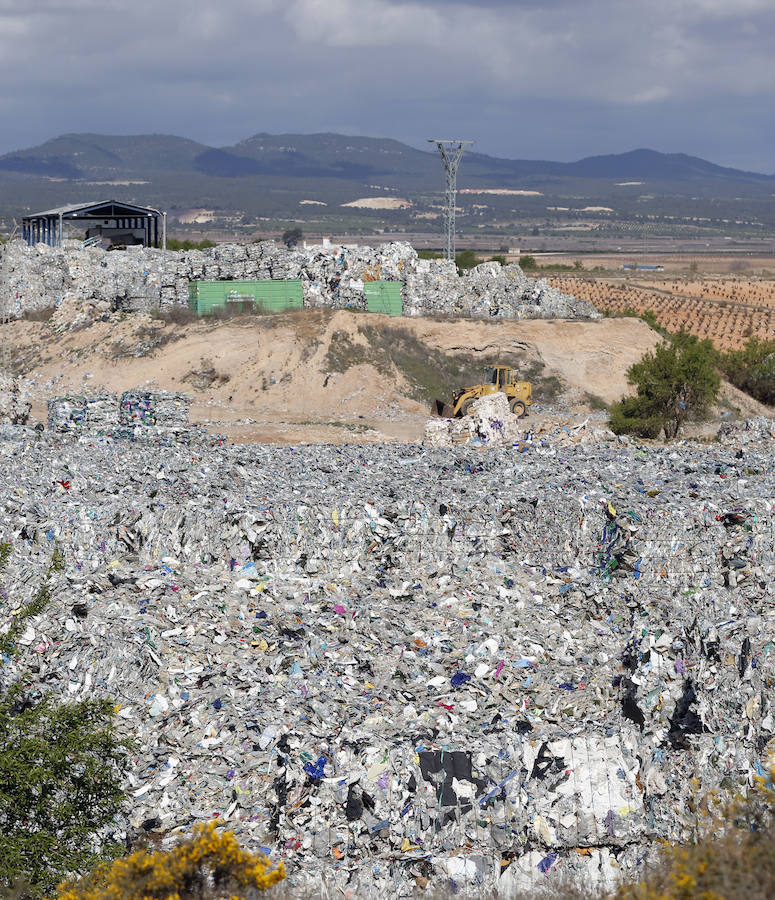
x=732 y=859
x=209 y=864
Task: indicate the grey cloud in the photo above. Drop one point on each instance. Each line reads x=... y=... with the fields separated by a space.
x=672 y=74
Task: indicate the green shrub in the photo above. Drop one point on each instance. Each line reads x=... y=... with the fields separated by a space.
x=292 y=236
x=175 y=244
x=527 y=263
x=752 y=369
x=60 y=774
x=631 y=415
x=465 y=260
x=595 y=401
x=676 y=383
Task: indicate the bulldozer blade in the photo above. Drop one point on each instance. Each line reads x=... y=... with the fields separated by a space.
x=442 y=409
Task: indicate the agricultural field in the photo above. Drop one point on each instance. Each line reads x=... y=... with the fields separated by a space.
x=726 y=308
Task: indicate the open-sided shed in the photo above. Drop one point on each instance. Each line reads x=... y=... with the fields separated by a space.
x=111 y=220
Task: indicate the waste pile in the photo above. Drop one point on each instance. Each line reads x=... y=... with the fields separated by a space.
x=488 y=289
x=491 y=421
x=150 y=416
x=467 y=668
x=14 y=409
x=154 y=408
x=551 y=430
x=747 y=431
x=85 y=284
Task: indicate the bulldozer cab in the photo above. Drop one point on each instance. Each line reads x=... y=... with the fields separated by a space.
x=499 y=376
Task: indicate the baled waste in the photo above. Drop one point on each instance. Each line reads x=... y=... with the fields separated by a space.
x=86 y=284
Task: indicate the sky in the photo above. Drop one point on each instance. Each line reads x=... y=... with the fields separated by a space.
x=535 y=79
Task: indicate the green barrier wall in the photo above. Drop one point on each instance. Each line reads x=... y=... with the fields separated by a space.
x=384 y=297
x=274 y=296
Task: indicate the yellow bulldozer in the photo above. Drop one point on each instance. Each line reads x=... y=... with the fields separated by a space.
x=499 y=379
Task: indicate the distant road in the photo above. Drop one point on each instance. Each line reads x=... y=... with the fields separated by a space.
x=543 y=244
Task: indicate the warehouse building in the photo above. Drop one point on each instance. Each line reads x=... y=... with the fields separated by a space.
x=110 y=222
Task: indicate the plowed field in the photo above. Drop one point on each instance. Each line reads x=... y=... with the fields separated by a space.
x=726 y=310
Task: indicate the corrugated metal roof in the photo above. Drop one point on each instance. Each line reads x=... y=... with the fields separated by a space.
x=131 y=209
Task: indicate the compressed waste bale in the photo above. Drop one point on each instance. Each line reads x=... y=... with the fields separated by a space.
x=491 y=421
x=67 y=413
x=101 y=411
x=171 y=409
x=138 y=408
x=162 y=408
x=14 y=409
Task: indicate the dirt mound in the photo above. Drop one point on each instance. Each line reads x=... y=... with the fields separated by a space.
x=323 y=375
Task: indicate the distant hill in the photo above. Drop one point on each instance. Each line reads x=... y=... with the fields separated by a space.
x=649 y=164
x=90 y=156
x=303 y=177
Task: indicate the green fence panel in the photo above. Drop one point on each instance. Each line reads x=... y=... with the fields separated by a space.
x=384 y=297
x=273 y=296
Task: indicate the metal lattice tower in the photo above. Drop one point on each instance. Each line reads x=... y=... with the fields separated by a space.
x=451 y=151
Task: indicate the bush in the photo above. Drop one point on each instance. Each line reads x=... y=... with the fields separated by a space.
x=207 y=865
x=60 y=775
x=177 y=314
x=291 y=237
x=631 y=415
x=39 y=315
x=527 y=263
x=676 y=383
x=733 y=856
x=465 y=260
x=595 y=401
x=752 y=369
x=174 y=244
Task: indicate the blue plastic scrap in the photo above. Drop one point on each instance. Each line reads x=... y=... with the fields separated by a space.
x=315 y=770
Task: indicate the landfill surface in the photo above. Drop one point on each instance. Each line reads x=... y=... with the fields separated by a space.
x=87 y=283
x=391 y=666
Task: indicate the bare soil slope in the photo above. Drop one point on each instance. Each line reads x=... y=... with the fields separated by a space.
x=322 y=375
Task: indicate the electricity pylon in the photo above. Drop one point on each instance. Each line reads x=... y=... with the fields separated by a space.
x=451 y=151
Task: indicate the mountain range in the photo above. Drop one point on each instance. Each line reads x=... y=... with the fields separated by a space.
x=308 y=176
x=86 y=157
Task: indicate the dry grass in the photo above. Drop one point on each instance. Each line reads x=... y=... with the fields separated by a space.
x=176 y=315
x=731 y=858
x=205 y=376
x=39 y=315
